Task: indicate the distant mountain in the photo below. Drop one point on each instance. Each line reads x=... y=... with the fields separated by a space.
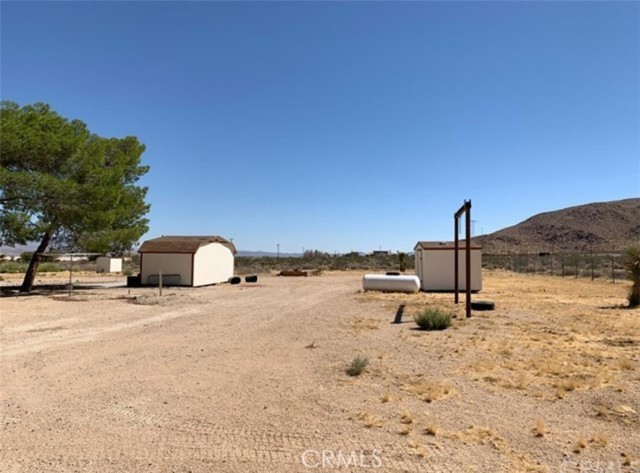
x=601 y=226
x=18 y=249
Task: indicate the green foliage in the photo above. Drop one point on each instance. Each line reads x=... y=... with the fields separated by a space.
x=433 y=319
x=357 y=366
x=632 y=267
x=13 y=268
x=60 y=183
x=402 y=261
x=50 y=268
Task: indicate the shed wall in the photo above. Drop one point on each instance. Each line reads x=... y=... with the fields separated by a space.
x=213 y=263
x=436 y=272
x=104 y=264
x=168 y=263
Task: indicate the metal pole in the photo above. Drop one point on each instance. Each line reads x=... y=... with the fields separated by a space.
x=160 y=282
x=278 y=245
x=455 y=259
x=613 y=272
x=468 y=256
x=70 y=270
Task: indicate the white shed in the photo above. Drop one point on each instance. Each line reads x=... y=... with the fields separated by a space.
x=435 y=266
x=186 y=260
x=106 y=264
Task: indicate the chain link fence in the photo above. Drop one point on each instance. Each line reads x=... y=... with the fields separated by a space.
x=576 y=265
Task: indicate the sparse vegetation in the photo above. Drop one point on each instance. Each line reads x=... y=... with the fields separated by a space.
x=540 y=428
x=431 y=428
x=404 y=431
x=406 y=417
x=433 y=319
x=632 y=266
x=357 y=366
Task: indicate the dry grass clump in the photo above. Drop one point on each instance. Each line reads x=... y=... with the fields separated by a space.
x=581 y=444
x=540 y=428
x=417 y=447
x=369 y=420
x=386 y=397
x=431 y=428
x=625 y=363
x=404 y=431
x=599 y=439
x=406 y=417
x=430 y=391
x=360 y=323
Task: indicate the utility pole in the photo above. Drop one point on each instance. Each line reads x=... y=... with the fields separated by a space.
x=278 y=245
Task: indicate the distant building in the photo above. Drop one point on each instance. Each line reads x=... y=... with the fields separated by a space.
x=10 y=257
x=106 y=264
x=186 y=260
x=380 y=252
x=67 y=258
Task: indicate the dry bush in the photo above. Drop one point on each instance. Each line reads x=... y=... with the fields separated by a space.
x=430 y=391
x=369 y=420
x=431 y=428
x=540 y=428
x=357 y=366
x=599 y=439
x=406 y=417
x=386 y=397
x=404 y=431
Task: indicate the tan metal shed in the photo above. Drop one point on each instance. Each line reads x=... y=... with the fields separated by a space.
x=435 y=266
x=106 y=264
x=186 y=260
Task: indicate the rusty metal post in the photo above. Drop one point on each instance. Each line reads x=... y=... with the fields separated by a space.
x=455 y=258
x=468 y=255
x=465 y=209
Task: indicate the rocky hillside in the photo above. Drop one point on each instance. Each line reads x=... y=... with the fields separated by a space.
x=603 y=226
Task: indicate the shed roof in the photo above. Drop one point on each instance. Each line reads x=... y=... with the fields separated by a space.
x=444 y=245
x=182 y=244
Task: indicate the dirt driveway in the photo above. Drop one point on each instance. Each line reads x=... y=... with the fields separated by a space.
x=251 y=378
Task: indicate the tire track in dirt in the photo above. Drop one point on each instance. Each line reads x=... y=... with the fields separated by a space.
x=65 y=337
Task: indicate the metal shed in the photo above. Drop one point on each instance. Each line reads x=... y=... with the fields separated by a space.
x=106 y=264
x=435 y=266
x=186 y=260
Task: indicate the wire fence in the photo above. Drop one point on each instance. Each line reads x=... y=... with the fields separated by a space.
x=576 y=265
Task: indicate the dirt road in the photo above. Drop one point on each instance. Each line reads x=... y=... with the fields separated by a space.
x=251 y=378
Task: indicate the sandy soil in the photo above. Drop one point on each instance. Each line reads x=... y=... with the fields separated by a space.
x=251 y=378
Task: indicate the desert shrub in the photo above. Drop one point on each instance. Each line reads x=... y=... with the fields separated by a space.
x=632 y=267
x=433 y=319
x=49 y=268
x=357 y=366
x=127 y=272
x=13 y=268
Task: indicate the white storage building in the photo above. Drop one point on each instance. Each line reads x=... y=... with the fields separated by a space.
x=435 y=266
x=106 y=264
x=186 y=260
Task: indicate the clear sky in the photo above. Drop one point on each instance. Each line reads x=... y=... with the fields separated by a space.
x=345 y=126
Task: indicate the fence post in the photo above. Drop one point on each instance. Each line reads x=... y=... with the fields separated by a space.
x=592 y=275
x=562 y=264
x=575 y=261
x=613 y=271
x=160 y=282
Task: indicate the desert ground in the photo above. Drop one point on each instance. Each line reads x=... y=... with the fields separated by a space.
x=251 y=378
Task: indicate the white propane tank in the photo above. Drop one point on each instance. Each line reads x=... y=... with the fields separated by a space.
x=379 y=282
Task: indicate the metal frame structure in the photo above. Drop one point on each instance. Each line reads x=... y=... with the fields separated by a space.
x=466 y=210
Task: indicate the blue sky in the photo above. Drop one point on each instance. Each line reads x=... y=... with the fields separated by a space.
x=345 y=126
